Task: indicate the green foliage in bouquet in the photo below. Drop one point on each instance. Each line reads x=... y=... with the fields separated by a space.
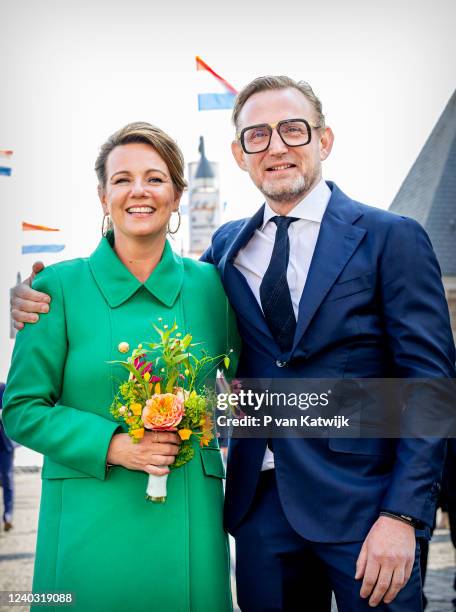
x=164 y=391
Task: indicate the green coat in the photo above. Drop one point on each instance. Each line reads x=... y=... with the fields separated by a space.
x=98 y=537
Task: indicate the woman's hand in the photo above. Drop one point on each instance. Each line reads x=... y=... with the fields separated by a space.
x=152 y=454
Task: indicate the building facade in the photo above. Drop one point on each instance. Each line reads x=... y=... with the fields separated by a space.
x=428 y=194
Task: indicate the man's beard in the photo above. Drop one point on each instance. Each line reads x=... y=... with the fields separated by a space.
x=293 y=189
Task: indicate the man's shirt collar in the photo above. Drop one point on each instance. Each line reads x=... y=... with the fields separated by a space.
x=311 y=208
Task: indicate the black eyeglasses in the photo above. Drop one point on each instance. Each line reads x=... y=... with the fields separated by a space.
x=293 y=132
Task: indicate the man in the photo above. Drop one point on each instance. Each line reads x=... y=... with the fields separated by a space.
x=323 y=287
x=6 y=471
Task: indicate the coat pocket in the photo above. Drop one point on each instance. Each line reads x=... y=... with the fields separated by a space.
x=349 y=287
x=52 y=470
x=212 y=462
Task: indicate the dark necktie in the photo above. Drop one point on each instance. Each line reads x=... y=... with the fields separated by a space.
x=274 y=290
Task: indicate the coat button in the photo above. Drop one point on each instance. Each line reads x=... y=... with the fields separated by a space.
x=123 y=347
x=281 y=364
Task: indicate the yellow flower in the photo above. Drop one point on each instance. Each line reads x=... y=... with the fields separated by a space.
x=147 y=376
x=130 y=420
x=157 y=388
x=136 y=408
x=207 y=433
x=185 y=433
x=137 y=433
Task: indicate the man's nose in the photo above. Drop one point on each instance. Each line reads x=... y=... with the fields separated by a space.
x=277 y=146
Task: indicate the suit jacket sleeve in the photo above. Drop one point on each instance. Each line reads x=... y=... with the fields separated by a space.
x=31 y=413
x=420 y=341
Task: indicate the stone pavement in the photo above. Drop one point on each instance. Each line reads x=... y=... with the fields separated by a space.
x=18 y=545
x=17 y=551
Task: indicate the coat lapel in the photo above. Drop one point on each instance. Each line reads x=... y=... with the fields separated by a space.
x=337 y=241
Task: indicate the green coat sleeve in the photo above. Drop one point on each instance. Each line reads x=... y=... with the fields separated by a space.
x=233 y=341
x=32 y=415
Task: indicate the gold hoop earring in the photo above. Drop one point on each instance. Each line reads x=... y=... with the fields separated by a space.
x=106 y=222
x=178 y=224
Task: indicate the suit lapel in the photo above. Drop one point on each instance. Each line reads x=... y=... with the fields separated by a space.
x=236 y=286
x=337 y=241
x=241 y=238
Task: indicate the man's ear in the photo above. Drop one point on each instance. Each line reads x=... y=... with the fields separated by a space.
x=326 y=143
x=238 y=154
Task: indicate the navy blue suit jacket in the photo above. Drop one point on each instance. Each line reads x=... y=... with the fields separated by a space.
x=373 y=307
x=5 y=443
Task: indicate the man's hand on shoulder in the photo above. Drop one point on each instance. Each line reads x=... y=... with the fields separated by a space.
x=386 y=560
x=26 y=303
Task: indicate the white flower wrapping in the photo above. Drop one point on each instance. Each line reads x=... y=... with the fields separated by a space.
x=156 y=488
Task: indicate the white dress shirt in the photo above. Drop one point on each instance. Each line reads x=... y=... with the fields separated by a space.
x=253 y=259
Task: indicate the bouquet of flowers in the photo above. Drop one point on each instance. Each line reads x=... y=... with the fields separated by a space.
x=161 y=394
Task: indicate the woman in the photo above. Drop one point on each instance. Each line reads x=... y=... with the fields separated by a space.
x=98 y=538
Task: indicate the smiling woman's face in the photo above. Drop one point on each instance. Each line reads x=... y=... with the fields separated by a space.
x=139 y=193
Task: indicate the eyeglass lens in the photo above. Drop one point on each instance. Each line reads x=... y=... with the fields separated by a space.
x=293 y=133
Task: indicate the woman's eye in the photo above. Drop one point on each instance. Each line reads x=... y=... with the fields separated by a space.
x=155 y=179
x=120 y=180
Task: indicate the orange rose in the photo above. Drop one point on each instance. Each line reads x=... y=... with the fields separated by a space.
x=163 y=411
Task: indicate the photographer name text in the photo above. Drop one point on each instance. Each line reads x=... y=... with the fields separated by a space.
x=335 y=422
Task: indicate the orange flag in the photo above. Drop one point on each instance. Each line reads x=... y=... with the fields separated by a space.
x=28 y=227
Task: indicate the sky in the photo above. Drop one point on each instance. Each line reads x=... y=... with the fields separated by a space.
x=74 y=72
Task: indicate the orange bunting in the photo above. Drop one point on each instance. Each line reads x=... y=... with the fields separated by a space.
x=30 y=227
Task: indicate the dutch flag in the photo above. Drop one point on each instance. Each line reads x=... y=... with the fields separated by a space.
x=5 y=162
x=221 y=94
x=39 y=247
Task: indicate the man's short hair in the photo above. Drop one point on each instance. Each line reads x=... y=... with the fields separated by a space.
x=266 y=83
